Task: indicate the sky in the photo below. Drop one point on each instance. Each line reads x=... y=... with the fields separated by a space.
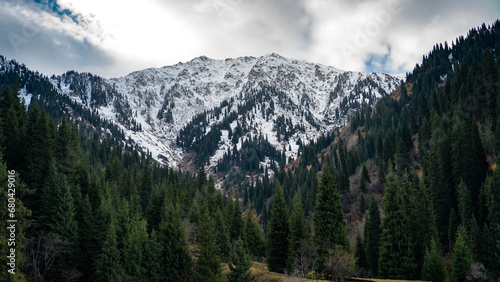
x=113 y=38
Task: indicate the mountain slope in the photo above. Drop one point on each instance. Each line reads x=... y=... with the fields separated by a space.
x=170 y=111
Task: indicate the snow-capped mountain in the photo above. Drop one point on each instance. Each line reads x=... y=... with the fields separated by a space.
x=167 y=110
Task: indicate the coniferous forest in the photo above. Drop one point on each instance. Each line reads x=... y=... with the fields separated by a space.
x=408 y=190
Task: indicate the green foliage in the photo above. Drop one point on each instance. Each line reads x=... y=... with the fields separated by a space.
x=434 y=267
x=239 y=266
x=277 y=239
x=360 y=251
x=329 y=223
x=107 y=264
x=396 y=259
x=252 y=236
x=372 y=232
x=299 y=231
x=207 y=266
x=461 y=259
x=176 y=259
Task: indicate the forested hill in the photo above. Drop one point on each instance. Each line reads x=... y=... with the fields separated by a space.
x=409 y=190
x=431 y=150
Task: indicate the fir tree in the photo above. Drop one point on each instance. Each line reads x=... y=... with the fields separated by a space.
x=434 y=267
x=223 y=238
x=396 y=259
x=252 y=234
x=153 y=258
x=207 y=266
x=107 y=263
x=329 y=223
x=239 y=266
x=360 y=251
x=176 y=259
x=371 y=236
x=461 y=259
x=277 y=242
x=299 y=231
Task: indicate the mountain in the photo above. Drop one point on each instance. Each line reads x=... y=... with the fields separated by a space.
x=171 y=111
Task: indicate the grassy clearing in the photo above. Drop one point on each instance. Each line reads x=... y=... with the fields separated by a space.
x=260 y=273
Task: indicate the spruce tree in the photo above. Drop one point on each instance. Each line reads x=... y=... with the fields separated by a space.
x=107 y=264
x=299 y=231
x=253 y=239
x=461 y=259
x=239 y=266
x=135 y=260
x=223 y=236
x=153 y=258
x=277 y=239
x=237 y=221
x=371 y=236
x=207 y=266
x=176 y=259
x=434 y=267
x=360 y=251
x=396 y=259
x=329 y=223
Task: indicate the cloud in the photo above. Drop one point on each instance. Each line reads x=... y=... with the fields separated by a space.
x=113 y=38
x=47 y=41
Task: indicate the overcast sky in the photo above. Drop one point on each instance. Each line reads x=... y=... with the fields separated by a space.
x=112 y=38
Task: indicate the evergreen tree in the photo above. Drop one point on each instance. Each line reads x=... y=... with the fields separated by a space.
x=277 y=239
x=360 y=251
x=176 y=259
x=135 y=260
x=239 y=266
x=252 y=234
x=146 y=185
x=371 y=236
x=153 y=258
x=329 y=223
x=461 y=259
x=434 y=267
x=299 y=231
x=223 y=236
x=107 y=264
x=396 y=259
x=207 y=267
x=237 y=221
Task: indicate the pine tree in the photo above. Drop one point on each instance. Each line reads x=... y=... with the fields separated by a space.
x=299 y=231
x=329 y=223
x=176 y=259
x=371 y=236
x=277 y=242
x=461 y=259
x=239 y=266
x=434 y=267
x=207 y=267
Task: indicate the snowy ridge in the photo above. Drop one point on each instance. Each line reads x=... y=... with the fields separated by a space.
x=164 y=100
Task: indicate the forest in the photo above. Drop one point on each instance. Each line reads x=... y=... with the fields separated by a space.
x=408 y=190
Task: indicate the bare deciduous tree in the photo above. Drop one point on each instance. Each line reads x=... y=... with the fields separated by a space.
x=41 y=252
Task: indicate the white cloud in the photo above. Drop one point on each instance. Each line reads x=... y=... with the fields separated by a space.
x=113 y=38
